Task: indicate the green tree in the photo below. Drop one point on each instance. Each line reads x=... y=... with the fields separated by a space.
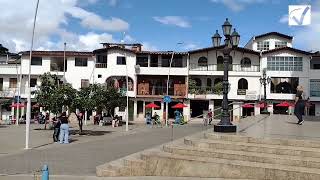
x=45 y=93
x=192 y=86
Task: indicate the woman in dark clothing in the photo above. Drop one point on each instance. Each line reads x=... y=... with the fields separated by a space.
x=80 y=118
x=56 y=131
x=299 y=105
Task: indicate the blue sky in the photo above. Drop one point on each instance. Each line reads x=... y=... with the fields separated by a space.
x=159 y=25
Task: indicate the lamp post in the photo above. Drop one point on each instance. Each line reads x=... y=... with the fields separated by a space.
x=28 y=116
x=231 y=42
x=168 y=79
x=264 y=80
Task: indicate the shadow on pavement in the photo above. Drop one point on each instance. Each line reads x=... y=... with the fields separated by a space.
x=3 y=126
x=89 y=132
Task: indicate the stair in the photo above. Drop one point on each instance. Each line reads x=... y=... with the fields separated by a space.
x=224 y=156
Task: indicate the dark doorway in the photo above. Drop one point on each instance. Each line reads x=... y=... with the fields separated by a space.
x=198 y=106
x=279 y=110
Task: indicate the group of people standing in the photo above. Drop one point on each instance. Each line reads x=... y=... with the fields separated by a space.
x=61 y=129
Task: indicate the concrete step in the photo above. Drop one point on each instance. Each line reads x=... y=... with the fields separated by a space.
x=167 y=164
x=271 y=141
x=254 y=147
x=243 y=156
x=128 y=166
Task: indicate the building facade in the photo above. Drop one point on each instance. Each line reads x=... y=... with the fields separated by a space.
x=194 y=77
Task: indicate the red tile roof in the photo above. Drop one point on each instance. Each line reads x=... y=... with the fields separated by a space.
x=288 y=49
x=274 y=33
x=58 y=53
x=241 y=49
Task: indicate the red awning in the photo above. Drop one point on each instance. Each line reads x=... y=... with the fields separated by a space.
x=284 y=104
x=15 y=105
x=247 y=106
x=152 y=105
x=179 y=106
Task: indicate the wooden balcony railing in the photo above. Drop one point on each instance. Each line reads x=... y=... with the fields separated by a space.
x=147 y=90
x=101 y=65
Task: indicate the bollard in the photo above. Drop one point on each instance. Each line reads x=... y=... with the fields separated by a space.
x=45 y=172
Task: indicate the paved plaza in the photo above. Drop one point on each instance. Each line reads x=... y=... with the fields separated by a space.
x=81 y=157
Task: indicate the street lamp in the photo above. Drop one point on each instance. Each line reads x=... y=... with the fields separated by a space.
x=264 y=80
x=168 y=79
x=231 y=42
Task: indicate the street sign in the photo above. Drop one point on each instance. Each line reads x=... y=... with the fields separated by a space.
x=167 y=99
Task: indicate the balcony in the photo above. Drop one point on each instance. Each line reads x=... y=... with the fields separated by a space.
x=241 y=92
x=144 y=89
x=220 y=67
x=101 y=65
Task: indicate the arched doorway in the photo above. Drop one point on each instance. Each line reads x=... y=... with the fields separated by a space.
x=119 y=82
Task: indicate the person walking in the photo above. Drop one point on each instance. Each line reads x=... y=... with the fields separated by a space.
x=210 y=116
x=80 y=119
x=56 y=131
x=299 y=105
x=64 y=129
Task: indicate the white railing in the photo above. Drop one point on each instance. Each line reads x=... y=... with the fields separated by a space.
x=220 y=67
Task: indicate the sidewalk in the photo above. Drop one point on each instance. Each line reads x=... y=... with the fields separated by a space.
x=12 y=137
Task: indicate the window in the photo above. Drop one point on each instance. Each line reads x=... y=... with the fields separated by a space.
x=101 y=59
x=202 y=61
x=177 y=61
x=198 y=81
x=280 y=44
x=142 y=61
x=284 y=63
x=56 y=64
x=165 y=60
x=315 y=87
x=242 y=84
x=36 y=61
x=81 y=61
x=84 y=83
x=284 y=85
x=1 y=84
x=99 y=76
x=33 y=82
x=154 y=61
x=245 y=62
x=13 y=83
x=209 y=82
x=262 y=45
x=121 y=60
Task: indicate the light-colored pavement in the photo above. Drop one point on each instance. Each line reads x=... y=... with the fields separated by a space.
x=82 y=156
x=284 y=126
x=86 y=152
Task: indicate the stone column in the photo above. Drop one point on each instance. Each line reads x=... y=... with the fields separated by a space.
x=186 y=110
x=270 y=108
x=144 y=108
x=22 y=108
x=135 y=110
x=12 y=109
x=211 y=105
x=256 y=109
x=237 y=110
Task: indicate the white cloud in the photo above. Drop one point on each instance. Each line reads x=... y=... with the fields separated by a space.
x=173 y=20
x=93 y=21
x=284 y=19
x=307 y=37
x=16 y=25
x=149 y=47
x=190 y=46
x=237 y=5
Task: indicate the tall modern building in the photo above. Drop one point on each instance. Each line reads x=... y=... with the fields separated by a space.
x=195 y=76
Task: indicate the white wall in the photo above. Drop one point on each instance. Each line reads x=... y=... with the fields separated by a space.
x=302 y=75
x=272 y=39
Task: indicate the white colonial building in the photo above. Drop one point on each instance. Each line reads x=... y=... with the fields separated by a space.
x=195 y=76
